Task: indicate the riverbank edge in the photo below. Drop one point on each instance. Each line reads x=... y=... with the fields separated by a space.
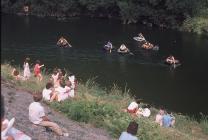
x=103 y=108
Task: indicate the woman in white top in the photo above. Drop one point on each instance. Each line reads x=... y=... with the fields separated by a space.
x=62 y=92
x=133 y=107
x=144 y=111
x=26 y=69
x=130 y=133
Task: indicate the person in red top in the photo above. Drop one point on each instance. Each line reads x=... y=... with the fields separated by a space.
x=37 y=70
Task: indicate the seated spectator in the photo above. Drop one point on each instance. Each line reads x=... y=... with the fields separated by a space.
x=16 y=75
x=131 y=132
x=168 y=120
x=73 y=81
x=4 y=123
x=133 y=107
x=48 y=91
x=38 y=117
x=62 y=92
x=68 y=87
x=55 y=76
x=144 y=111
x=159 y=116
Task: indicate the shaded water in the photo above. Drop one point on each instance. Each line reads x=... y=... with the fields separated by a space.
x=184 y=89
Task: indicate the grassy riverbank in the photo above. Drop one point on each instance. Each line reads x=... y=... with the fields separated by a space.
x=103 y=108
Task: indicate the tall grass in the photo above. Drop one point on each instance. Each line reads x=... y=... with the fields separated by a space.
x=104 y=108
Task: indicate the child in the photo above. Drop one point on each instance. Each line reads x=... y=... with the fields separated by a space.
x=38 y=117
x=133 y=107
x=37 y=70
x=26 y=69
x=48 y=91
x=62 y=92
x=159 y=116
x=55 y=76
x=16 y=75
x=168 y=120
x=68 y=88
x=144 y=111
x=73 y=83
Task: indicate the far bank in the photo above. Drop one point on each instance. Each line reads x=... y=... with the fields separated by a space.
x=183 y=15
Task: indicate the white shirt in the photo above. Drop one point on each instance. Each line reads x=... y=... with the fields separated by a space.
x=127 y=136
x=46 y=94
x=62 y=94
x=133 y=106
x=36 y=111
x=146 y=112
x=55 y=77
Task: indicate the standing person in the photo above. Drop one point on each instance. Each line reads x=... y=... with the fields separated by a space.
x=37 y=71
x=130 y=133
x=38 y=117
x=26 y=69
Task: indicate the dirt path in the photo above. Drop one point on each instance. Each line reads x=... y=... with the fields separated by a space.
x=16 y=105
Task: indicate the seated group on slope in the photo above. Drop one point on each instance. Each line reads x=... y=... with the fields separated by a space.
x=59 y=87
x=163 y=118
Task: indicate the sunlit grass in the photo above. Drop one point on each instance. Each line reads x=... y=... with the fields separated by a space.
x=103 y=108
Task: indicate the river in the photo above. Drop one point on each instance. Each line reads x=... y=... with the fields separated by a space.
x=184 y=89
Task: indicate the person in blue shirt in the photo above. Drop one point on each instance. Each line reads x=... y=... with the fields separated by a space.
x=168 y=120
x=131 y=132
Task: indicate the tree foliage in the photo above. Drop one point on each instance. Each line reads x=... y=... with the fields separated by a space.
x=169 y=13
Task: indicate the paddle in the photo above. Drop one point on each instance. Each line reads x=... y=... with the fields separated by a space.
x=131 y=53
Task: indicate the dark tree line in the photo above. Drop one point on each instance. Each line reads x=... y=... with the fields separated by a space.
x=165 y=13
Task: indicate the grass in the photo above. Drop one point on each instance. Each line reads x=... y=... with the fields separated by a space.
x=103 y=107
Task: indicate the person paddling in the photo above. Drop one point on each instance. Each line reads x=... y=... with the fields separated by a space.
x=62 y=42
x=171 y=60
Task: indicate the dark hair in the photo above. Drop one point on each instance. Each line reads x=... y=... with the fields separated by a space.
x=2 y=107
x=37 y=96
x=55 y=71
x=63 y=72
x=62 y=83
x=138 y=101
x=132 y=128
x=49 y=85
x=38 y=61
x=71 y=74
x=146 y=106
x=16 y=72
x=27 y=59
